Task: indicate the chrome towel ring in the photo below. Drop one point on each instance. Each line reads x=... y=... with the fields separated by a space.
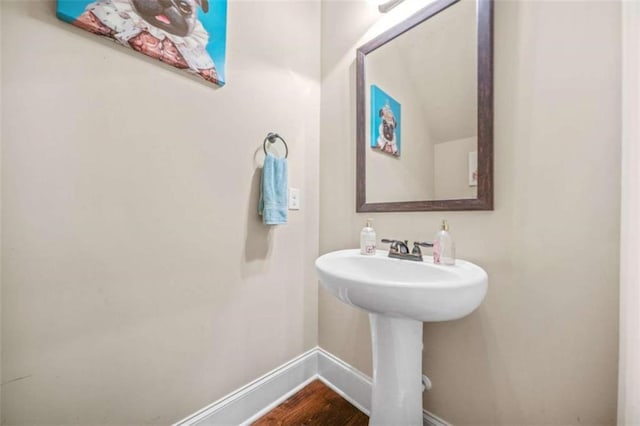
x=272 y=138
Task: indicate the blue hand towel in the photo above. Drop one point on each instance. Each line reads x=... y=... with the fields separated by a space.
x=273 y=191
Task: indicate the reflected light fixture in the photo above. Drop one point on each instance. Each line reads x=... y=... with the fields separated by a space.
x=386 y=5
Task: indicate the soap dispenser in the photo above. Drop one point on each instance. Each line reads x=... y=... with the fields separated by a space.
x=368 y=239
x=444 y=249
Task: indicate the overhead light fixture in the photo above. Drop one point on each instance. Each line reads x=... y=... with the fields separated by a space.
x=386 y=6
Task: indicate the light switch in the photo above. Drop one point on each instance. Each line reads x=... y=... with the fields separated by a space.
x=294 y=199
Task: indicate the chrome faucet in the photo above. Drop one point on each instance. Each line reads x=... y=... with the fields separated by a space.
x=400 y=249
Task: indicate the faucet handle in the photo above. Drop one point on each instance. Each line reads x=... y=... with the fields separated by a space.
x=416 y=247
x=397 y=245
x=422 y=244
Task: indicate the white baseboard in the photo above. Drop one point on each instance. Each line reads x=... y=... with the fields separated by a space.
x=347 y=381
x=430 y=419
x=255 y=399
x=248 y=402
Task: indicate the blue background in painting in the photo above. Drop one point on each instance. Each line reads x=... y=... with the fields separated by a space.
x=378 y=100
x=214 y=21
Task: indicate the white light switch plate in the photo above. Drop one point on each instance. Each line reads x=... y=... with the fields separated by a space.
x=294 y=199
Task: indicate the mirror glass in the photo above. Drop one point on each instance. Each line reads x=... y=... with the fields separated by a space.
x=420 y=112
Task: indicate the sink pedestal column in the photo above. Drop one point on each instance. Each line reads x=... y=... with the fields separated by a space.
x=397 y=371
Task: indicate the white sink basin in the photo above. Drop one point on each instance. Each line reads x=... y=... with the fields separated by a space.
x=400 y=295
x=403 y=288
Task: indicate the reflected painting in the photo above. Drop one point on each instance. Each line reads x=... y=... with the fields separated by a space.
x=187 y=34
x=385 y=122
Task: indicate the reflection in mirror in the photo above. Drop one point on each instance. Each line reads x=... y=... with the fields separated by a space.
x=418 y=109
x=430 y=74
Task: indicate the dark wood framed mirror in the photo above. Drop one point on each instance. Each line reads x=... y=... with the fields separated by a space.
x=424 y=112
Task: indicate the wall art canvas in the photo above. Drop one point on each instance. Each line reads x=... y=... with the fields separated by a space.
x=385 y=122
x=187 y=34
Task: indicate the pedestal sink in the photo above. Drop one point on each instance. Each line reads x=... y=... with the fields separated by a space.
x=399 y=295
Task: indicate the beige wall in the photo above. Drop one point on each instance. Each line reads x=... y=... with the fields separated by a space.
x=409 y=176
x=1 y=213
x=629 y=361
x=542 y=349
x=451 y=169
x=138 y=283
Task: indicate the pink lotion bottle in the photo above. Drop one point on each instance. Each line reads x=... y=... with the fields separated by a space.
x=444 y=249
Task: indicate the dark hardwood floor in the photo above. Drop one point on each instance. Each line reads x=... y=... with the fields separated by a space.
x=315 y=404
